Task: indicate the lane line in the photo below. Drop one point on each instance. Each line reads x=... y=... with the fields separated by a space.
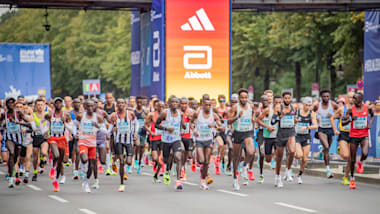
x=295 y=207
x=232 y=193
x=145 y=173
x=58 y=199
x=87 y=211
x=2 y=173
x=34 y=187
x=191 y=184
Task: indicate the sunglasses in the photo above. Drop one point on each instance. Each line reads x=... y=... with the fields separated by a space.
x=222 y=101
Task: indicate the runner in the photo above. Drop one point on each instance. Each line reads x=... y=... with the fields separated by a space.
x=13 y=137
x=122 y=131
x=110 y=108
x=26 y=146
x=171 y=138
x=141 y=114
x=155 y=138
x=307 y=121
x=186 y=135
x=344 y=131
x=73 y=144
x=234 y=101
x=242 y=118
x=40 y=146
x=59 y=146
x=326 y=109
x=89 y=124
x=220 y=136
x=358 y=133
x=205 y=120
x=285 y=115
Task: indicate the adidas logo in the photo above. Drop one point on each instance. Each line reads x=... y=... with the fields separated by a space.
x=194 y=24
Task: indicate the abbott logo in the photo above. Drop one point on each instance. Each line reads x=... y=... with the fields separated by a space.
x=195 y=25
x=203 y=51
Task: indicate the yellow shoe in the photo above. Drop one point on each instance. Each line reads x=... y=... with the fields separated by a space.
x=125 y=177
x=209 y=180
x=345 y=181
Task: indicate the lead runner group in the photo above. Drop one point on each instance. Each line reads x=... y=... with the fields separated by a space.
x=93 y=136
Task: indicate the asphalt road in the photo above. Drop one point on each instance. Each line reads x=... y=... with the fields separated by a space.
x=315 y=195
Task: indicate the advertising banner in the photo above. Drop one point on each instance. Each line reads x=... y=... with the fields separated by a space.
x=198 y=47
x=135 y=53
x=91 y=87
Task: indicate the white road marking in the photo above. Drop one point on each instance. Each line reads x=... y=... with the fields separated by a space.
x=2 y=173
x=232 y=193
x=34 y=187
x=58 y=199
x=87 y=211
x=145 y=173
x=296 y=207
x=191 y=184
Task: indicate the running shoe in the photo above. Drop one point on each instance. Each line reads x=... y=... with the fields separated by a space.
x=18 y=181
x=156 y=180
x=100 y=169
x=81 y=175
x=125 y=177
x=238 y=175
x=146 y=160
x=244 y=174
x=299 y=179
x=42 y=169
x=352 y=184
x=261 y=179
x=236 y=185
x=277 y=182
x=345 y=181
x=217 y=161
x=251 y=176
x=34 y=178
x=129 y=170
x=55 y=186
x=167 y=178
x=182 y=173
x=75 y=175
x=86 y=187
x=289 y=177
x=193 y=167
x=95 y=185
x=359 y=168
x=63 y=180
x=228 y=171
x=108 y=172
x=178 y=185
x=114 y=167
x=121 y=188
x=217 y=170
x=329 y=174
x=272 y=164
x=184 y=178
x=209 y=180
x=10 y=183
x=136 y=164
x=52 y=173
x=7 y=176
x=22 y=171
x=223 y=167
x=204 y=185
x=138 y=169
x=26 y=180
x=68 y=164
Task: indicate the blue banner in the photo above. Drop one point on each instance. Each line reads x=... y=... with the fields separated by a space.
x=158 y=49
x=135 y=53
x=372 y=55
x=146 y=53
x=375 y=138
x=25 y=70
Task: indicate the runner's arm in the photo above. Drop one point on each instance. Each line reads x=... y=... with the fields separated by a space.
x=161 y=118
x=346 y=119
x=314 y=121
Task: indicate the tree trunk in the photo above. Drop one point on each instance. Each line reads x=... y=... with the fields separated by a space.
x=298 y=81
x=332 y=75
x=266 y=80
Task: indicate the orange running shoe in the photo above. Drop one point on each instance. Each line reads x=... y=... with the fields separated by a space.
x=55 y=185
x=193 y=167
x=52 y=173
x=359 y=168
x=182 y=173
x=18 y=181
x=125 y=177
x=237 y=175
x=217 y=170
x=209 y=180
x=352 y=184
x=251 y=177
x=114 y=167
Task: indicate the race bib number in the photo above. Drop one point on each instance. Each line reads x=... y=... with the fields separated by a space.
x=360 y=123
x=347 y=127
x=87 y=128
x=287 y=121
x=176 y=127
x=123 y=127
x=299 y=126
x=245 y=124
x=13 y=127
x=204 y=131
x=187 y=129
x=141 y=123
x=325 y=121
x=57 y=127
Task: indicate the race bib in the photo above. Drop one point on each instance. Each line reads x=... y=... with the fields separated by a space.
x=87 y=128
x=13 y=128
x=347 y=127
x=141 y=123
x=325 y=121
x=123 y=127
x=187 y=129
x=176 y=127
x=204 y=131
x=299 y=126
x=245 y=124
x=360 y=123
x=287 y=121
x=57 y=127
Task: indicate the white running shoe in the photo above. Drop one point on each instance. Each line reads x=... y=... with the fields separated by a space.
x=289 y=177
x=299 y=179
x=95 y=185
x=278 y=182
x=236 y=185
x=63 y=180
x=244 y=174
x=86 y=187
x=204 y=185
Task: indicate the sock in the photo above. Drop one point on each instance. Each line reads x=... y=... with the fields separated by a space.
x=108 y=161
x=300 y=173
x=97 y=180
x=125 y=168
x=16 y=174
x=327 y=167
x=352 y=178
x=35 y=172
x=27 y=174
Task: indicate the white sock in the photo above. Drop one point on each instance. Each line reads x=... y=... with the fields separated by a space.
x=328 y=167
x=108 y=161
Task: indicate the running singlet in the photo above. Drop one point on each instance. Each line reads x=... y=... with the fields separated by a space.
x=123 y=133
x=287 y=121
x=359 y=127
x=109 y=110
x=187 y=130
x=171 y=122
x=154 y=130
x=13 y=130
x=41 y=127
x=303 y=122
x=244 y=123
x=141 y=122
x=323 y=115
x=202 y=127
x=267 y=121
x=87 y=131
x=57 y=127
x=347 y=127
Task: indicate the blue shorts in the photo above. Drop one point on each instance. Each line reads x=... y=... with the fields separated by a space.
x=3 y=146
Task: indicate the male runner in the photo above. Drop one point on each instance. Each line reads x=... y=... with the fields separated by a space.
x=186 y=134
x=73 y=144
x=140 y=114
x=221 y=135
